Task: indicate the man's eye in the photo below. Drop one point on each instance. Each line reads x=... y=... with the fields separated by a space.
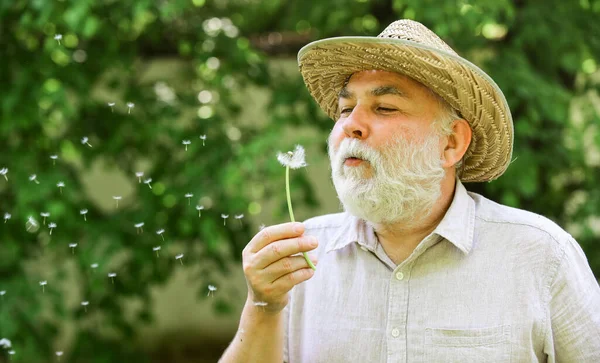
x=346 y=110
x=385 y=109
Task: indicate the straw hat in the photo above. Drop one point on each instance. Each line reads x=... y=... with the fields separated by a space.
x=410 y=48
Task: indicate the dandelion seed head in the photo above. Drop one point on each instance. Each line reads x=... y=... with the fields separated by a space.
x=139 y=225
x=130 y=104
x=51 y=225
x=112 y=274
x=179 y=256
x=261 y=227
x=3 y=171
x=11 y=352
x=53 y=157
x=203 y=137
x=60 y=184
x=2 y=292
x=199 y=207
x=84 y=140
x=94 y=265
x=117 y=197
x=45 y=214
x=212 y=288
x=189 y=195
x=294 y=160
x=59 y=353
x=72 y=245
x=160 y=231
x=5 y=343
x=83 y=211
x=157 y=248
x=85 y=303
x=224 y=215
x=7 y=216
x=186 y=142
x=43 y=283
x=111 y=104
x=139 y=174
x=32 y=177
x=58 y=37
x=147 y=181
x=239 y=216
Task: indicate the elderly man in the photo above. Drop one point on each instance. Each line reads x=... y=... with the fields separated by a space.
x=416 y=269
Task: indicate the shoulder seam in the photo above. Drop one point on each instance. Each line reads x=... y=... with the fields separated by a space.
x=522 y=224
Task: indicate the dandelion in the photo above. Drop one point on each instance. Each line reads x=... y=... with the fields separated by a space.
x=43 y=284
x=54 y=158
x=112 y=276
x=224 y=216
x=160 y=233
x=60 y=185
x=45 y=215
x=5 y=343
x=11 y=352
x=33 y=178
x=139 y=227
x=186 y=143
x=156 y=249
x=6 y=217
x=32 y=225
x=261 y=227
x=130 y=105
x=72 y=246
x=189 y=197
x=2 y=293
x=148 y=181
x=111 y=104
x=58 y=37
x=94 y=266
x=85 y=305
x=139 y=174
x=203 y=138
x=211 y=289
x=84 y=141
x=199 y=208
x=84 y=212
x=117 y=198
x=180 y=258
x=293 y=160
x=239 y=217
x=59 y=354
x=51 y=225
x=3 y=172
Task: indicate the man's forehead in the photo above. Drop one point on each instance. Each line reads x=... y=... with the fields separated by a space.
x=378 y=82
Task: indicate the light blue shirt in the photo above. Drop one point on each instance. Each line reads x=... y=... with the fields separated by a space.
x=490 y=284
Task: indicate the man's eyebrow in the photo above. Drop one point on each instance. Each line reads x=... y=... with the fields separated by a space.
x=377 y=91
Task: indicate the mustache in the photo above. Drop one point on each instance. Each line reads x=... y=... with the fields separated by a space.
x=352 y=148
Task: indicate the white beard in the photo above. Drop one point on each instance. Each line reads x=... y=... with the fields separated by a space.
x=399 y=184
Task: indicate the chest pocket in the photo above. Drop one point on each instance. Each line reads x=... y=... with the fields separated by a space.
x=468 y=345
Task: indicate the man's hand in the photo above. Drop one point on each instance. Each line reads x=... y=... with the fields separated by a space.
x=270 y=268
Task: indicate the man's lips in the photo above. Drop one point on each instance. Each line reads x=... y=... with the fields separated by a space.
x=352 y=161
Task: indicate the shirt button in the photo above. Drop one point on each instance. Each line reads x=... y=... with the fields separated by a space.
x=399 y=275
x=395 y=332
x=364 y=248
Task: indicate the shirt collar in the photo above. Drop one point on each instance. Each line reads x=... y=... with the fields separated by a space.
x=457 y=226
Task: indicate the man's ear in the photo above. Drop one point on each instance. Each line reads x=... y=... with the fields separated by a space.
x=458 y=142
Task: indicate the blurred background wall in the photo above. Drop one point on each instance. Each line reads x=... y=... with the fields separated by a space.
x=214 y=94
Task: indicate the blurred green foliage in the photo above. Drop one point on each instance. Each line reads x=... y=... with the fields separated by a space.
x=542 y=54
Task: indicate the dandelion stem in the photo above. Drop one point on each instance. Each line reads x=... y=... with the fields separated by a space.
x=289 y=200
x=181 y=260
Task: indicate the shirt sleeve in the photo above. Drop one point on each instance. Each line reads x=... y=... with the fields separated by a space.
x=575 y=308
x=286 y=325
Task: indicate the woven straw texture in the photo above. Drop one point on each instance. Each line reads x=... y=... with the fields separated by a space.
x=410 y=48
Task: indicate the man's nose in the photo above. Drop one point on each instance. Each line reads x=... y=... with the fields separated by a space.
x=356 y=124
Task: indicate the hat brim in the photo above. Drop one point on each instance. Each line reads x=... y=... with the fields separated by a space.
x=326 y=64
